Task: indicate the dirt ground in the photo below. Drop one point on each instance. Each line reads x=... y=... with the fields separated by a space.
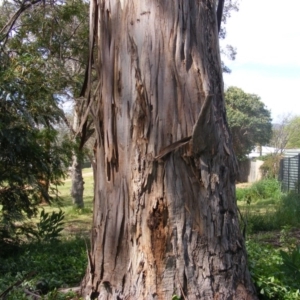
x=274 y=237
x=243 y=185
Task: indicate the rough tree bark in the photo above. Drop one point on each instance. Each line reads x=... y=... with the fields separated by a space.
x=77 y=186
x=165 y=218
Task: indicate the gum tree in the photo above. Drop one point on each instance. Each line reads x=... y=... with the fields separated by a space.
x=165 y=218
x=249 y=121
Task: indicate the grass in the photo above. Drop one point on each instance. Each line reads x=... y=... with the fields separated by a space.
x=76 y=220
x=274 y=258
x=59 y=263
x=265 y=208
x=273 y=237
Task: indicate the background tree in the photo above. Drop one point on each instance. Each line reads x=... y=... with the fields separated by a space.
x=280 y=134
x=293 y=129
x=249 y=121
x=285 y=134
x=56 y=32
x=41 y=66
x=165 y=218
x=29 y=152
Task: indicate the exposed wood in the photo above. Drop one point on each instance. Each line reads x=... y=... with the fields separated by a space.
x=165 y=217
x=172 y=147
x=75 y=289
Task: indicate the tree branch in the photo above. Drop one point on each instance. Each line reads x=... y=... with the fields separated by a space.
x=9 y=25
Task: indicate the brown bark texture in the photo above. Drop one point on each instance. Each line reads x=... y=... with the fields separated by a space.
x=77 y=185
x=165 y=218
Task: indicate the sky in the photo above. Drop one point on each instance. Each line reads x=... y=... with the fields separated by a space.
x=266 y=35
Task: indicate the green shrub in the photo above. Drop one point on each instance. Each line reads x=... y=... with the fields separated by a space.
x=270 y=278
x=262 y=222
x=271 y=165
x=290 y=266
x=267 y=189
x=263 y=189
x=266 y=208
x=246 y=194
x=50 y=226
x=290 y=206
x=57 y=264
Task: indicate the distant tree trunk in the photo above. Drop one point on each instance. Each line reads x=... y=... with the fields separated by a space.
x=77 y=186
x=165 y=218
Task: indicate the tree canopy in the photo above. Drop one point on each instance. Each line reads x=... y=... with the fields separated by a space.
x=30 y=154
x=293 y=130
x=42 y=57
x=249 y=120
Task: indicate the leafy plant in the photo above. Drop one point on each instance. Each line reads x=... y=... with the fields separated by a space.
x=287 y=240
x=271 y=165
x=272 y=282
x=50 y=225
x=248 y=119
x=264 y=189
x=291 y=266
x=59 y=264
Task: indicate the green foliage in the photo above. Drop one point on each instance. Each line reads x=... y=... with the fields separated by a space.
x=293 y=129
x=268 y=188
x=289 y=209
x=264 y=207
x=40 y=64
x=270 y=274
x=271 y=166
x=58 y=264
x=53 y=36
x=50 y=225
x=29 y=159
x=248 y=120
x=286 y=133
x=260 y=190
x=291 y=266
x=47 y=229
x=61 y=263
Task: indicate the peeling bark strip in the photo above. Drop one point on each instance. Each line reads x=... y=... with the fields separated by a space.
x=165 y=217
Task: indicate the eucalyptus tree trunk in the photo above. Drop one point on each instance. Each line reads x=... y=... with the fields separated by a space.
x=77 y=185
x=165 y=218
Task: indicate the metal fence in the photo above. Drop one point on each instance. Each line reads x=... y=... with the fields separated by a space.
x=290 y=173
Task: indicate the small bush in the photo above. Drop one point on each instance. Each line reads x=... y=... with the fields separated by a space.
x=57 y=264
x=271 y=165
x=50 y=226
x=267 y=208
x=272 y=272
x=263 y=189
x=290 y=267
x=262 y=222
x=268 y=189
